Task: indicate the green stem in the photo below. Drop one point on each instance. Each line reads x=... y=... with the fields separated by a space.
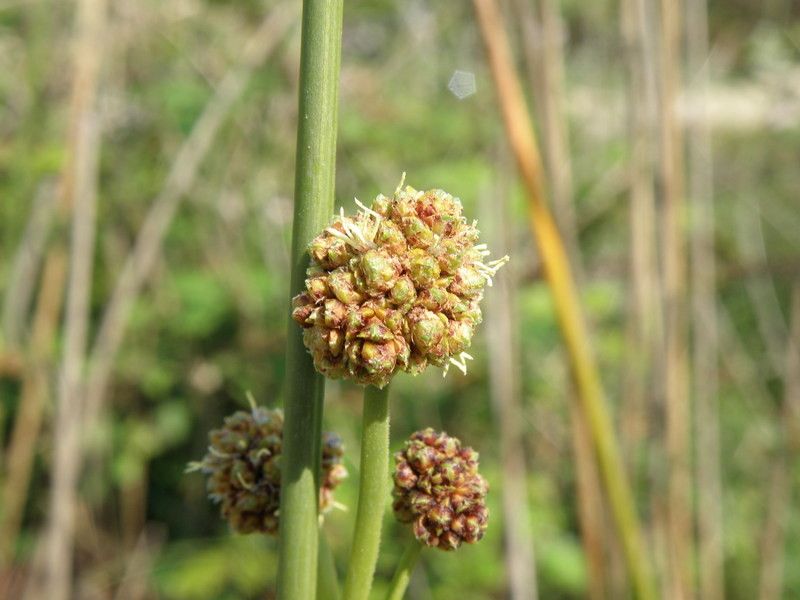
x=327 y=579
x=313 y=208
x=372 y=494
x=405 y=567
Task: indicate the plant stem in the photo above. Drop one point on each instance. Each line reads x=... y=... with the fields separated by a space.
x=569 y=313
x=314 y=190
x=405 y=567
x=372 y=492
x=327 y=579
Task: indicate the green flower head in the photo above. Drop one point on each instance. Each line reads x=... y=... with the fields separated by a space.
x=397 y=287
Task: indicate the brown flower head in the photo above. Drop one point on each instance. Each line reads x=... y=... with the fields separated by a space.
x=243 y=469
x=396 y=287
x=437 y=487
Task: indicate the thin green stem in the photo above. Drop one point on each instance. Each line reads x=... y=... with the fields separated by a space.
x=327 y=579
x=314 y=188
x=372 y=494
x=405 y=567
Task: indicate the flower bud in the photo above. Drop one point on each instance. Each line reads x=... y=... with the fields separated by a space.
x=395 y=287
x=438 y=489
x=243 y=469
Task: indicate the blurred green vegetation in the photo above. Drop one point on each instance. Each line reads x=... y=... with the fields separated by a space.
x=210 y=324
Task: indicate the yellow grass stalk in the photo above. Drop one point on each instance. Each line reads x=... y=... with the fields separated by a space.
x=592 y=400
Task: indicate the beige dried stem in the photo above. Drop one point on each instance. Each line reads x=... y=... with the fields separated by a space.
x=182 y=174
x=81 y=176
x=642 y=389
x=643 y=331
x=35 y=387
x=569 y=313
x=705 y=334
x=673 y=268
x=504 y=365
x=16 y=464
x=542 y=38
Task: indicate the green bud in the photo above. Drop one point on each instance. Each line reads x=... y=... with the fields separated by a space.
x=417 y=233
x=378 y=359
x=376 y=331
x=467 y=282
x=328 y=251
x=391 y=238
x=422 y=268
x=427 y=329
x=335 y=313
x=403 y=291
x=379 y=271
x=343 y=284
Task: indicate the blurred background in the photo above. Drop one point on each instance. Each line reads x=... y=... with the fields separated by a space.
x=179 y=118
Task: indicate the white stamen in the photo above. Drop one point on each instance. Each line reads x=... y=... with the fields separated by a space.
x=218 y=454
x=263 y=452
x=367 y=209
x=460 y=362
x=461 y=366
x=252 y=402
x=354 y=235
x=400 y=185
x=338 y=234
x=245 y=485
x=488 y=270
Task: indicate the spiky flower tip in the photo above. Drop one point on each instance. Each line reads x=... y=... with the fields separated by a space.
x=243 y=469
x=396 y=287
x=438 y=489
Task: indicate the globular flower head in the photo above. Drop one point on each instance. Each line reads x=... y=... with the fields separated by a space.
x=243 y=469
x=437 y=488
x=395 y=288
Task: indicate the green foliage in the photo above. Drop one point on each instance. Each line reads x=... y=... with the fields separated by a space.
x=211 y=322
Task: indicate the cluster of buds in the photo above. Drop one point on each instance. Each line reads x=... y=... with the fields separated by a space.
x=243 y=469
x=438 y=489
x=396 y=287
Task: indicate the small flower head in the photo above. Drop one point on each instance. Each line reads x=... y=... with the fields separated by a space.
x=243 y=469
x=437 y=488
x=397 y=287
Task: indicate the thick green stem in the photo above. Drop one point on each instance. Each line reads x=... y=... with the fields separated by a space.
x=313 y=208
x=372 y=494
x=405 y=567
x=327 y=579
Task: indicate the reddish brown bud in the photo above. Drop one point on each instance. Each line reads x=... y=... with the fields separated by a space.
x=437 y=487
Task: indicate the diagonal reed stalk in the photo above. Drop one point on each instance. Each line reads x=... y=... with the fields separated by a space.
x=568 y=310
x=373 y=489
x=314 y=191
